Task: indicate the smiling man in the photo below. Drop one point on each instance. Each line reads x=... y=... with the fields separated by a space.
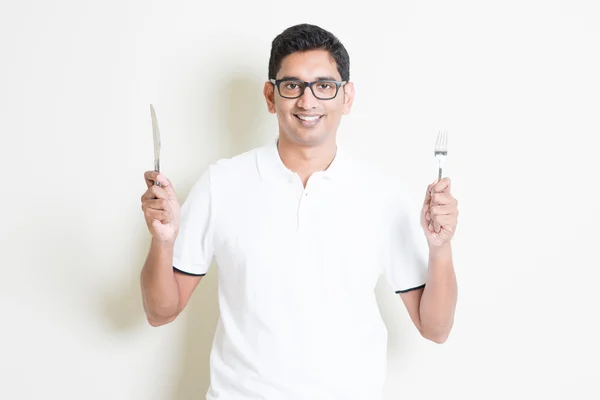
x=301 y=230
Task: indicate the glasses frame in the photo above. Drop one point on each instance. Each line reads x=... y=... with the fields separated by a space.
x=338 y=85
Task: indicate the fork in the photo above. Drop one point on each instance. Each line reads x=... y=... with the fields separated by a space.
x=441 y=150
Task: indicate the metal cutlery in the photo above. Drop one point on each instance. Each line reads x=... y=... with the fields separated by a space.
x=156 y=136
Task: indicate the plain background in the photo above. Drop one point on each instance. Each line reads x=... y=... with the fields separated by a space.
x=515 y=83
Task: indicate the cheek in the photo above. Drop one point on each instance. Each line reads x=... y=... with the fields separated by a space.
x=282 y=108
x=335 y=111
x=283 y=114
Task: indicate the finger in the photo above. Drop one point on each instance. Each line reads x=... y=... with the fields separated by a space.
x=428 y=192
x=443 y=185
x=443 y=198
x=448 y=222
x=435 y=227
x=151 y=177
x=158 y=215
x=164 y=181
x=442 y=210
x=154 y=192
x=156 y=204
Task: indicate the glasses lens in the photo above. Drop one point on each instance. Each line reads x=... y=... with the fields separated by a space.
x=325 y=89
x=291 y=88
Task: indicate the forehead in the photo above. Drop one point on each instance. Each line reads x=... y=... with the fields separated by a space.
x=309 y=65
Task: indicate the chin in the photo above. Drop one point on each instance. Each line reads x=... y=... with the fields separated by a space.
x=308 y=138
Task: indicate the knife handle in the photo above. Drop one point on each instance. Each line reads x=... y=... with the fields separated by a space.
x=157 y=169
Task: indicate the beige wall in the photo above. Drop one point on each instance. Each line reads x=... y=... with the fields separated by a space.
x=516 y=85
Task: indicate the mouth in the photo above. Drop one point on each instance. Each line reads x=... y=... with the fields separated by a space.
x=308 y=120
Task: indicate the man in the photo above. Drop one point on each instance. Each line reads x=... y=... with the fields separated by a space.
x=301 y=231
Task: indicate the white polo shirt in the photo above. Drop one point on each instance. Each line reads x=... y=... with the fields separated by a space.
x=297 y=270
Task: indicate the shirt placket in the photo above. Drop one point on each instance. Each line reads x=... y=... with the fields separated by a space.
x=306 y=198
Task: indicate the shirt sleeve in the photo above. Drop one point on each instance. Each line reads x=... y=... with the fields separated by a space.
x=193 y=251
x=406 y=251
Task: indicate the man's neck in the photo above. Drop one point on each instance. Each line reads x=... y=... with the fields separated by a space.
x=306 y=160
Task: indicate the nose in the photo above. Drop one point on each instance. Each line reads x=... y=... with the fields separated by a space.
x=307 y=101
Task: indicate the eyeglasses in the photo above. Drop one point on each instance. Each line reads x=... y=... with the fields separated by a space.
x=293 y=88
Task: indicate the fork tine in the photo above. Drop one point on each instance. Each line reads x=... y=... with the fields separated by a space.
x=445 y=140
x=441 y=142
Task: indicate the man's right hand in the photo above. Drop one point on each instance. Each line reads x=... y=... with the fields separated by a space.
x=161 y=208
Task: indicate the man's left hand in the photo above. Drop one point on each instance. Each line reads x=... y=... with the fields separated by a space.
x=439 y=215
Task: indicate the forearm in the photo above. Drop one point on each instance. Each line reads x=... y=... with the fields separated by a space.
x=438 y=302
x=160 y=293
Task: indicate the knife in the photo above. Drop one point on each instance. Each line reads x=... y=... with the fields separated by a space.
x=156 y=135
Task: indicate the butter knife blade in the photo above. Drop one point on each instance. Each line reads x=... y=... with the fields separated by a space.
x=156 y=136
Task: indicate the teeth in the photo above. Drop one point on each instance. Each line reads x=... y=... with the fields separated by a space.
x=307 y=118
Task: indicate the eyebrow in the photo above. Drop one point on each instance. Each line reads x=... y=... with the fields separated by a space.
x=319 y=78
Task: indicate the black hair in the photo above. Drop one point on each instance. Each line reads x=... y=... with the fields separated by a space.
x=305 y=37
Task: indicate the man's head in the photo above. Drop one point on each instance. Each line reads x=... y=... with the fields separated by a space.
x=308 y=53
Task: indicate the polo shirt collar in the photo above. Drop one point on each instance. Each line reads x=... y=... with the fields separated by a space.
x=271 y=167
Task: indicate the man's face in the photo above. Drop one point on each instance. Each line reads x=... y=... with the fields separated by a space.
x=308 y=120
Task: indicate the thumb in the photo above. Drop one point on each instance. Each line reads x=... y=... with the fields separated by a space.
x=163 y=180
x=166 y=184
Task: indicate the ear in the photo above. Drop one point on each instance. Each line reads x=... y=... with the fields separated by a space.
x=348 y=97
x=269 y=93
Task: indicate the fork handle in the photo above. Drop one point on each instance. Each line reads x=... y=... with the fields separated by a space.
x=435 y=225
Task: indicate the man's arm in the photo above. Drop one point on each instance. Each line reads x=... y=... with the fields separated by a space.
x=165 y=292
x=432 y=308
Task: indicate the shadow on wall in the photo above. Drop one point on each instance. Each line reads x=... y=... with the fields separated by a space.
x=201 y=315
x=123 y=307
x=245 y=113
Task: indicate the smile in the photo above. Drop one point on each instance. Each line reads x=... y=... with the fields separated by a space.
x=308 y=120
